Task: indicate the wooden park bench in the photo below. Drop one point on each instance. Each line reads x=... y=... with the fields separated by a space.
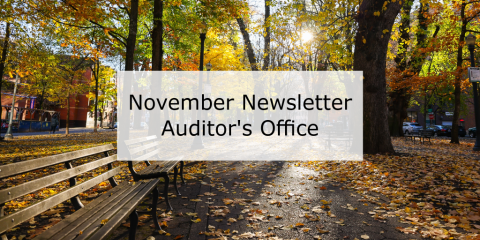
x=424 y=134
x=97 y=219
x=148 y=148
x=338 y=135
x=421 y=135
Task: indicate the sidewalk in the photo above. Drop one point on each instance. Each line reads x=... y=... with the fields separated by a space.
x=267 y=200
x=62 y=131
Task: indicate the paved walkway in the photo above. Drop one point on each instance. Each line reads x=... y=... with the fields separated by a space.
x=267 y=200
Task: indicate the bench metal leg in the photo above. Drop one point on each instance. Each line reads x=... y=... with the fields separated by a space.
x=112 y=181
x=154 y=209
x=2 y=213
x=165 y=192
x=76 y=202
x=175 y=175
x=133 y=225
x=181 y=172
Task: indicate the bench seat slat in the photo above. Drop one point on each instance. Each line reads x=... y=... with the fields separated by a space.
x=124 y=212
x=28 y=187
x=22 y=167
x=88 y=221
x=159 y=166
x=18 y=217
x=147 y=156
x=94 y=206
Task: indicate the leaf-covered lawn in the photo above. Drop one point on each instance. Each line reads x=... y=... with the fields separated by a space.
x=30 y=147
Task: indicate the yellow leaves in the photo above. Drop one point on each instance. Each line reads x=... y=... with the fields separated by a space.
x=364 y=40
x=377 y=13
x=162 y=232
x=305 y=229
x=15 y=204
x=196 y=220
x=104 y=221
x=325 y=202
x=320 y=229
x=49 y=192
x=305 y=207
x=191 y=214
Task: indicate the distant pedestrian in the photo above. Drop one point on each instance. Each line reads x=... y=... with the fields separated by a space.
x=54 y=123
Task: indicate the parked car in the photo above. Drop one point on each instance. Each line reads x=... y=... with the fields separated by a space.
x=441 y=130
x=472 y=132
x=433 y=129
x=411 y=127
x=461 y=131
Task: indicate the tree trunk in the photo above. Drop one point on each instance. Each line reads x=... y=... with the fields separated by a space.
x=101 y=118
x=97 y=63
x=456 y=111
x=181 y=113
x=132 y=36
x=248 y=45
x=399 y=98
x=67 y=130
x=2 y=61
x=157 y=35
x=258 y=89
x=266 y=50
x=259 y=115
x=371 y=45
x=129 y=60
x=154 y=125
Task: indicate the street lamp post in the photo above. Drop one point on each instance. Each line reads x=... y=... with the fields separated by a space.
x=9 y=135
x=208 y=87
x=470 y=39
x=197 y=141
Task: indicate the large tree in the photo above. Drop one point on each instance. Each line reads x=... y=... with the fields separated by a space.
x=375 y=20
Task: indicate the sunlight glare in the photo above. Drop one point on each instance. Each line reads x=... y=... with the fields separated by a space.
x=307 y=36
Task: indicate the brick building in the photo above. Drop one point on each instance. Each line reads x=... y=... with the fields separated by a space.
x=79 y=106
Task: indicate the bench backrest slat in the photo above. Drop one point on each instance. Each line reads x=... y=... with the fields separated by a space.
x=426 y=133
x=28 y=187
x=140 y=140
x=22 y=167
x=18 y=217
x=148 y=156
